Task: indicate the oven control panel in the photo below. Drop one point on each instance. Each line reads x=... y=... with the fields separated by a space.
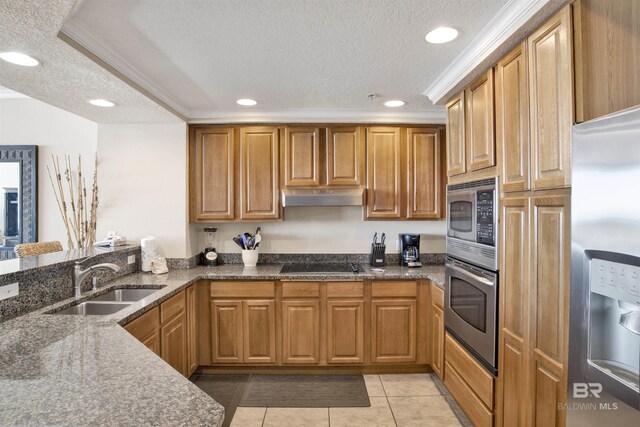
x=484 y=211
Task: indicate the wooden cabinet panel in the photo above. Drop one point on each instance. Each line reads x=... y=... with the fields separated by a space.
x=607 y=56
x=173 y=343
x=476 y=376
x=226 y=331
x=152 y=342
x=239 y=289
x=481 y=151
x=345 y=156
x=302 y=157
x=551 y=102
x=345 y=331
x=456 y=146
x=399 y=288
x=212 y=170
x=301 y=332
x=192 y=329
x=437 y=334
x=469 y=402
x=384 y=183
x=259 y=183
x=300 y=289
x=393 y=331
x=146 y=329
x=259 y=327
x=512 y=119
x=171 y=307
x=345 y=289
x=424 y=175
x=512 y=402
x=548 y=391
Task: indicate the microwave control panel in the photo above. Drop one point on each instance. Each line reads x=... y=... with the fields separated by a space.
x=484 y=211
x=615 y=280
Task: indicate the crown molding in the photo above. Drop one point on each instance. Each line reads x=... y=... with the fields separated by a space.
x=513 y=15
x=318 y=116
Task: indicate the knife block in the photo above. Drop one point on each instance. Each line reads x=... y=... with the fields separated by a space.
x=377 y=255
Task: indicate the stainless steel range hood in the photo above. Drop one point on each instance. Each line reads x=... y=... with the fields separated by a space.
x=323 y=197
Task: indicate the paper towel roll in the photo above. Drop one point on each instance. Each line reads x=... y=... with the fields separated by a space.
x=148 y=246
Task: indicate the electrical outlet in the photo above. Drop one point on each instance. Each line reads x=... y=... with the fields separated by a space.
x=131 y=259
x=9 y=291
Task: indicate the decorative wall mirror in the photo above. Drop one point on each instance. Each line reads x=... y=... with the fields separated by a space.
x=18 y=197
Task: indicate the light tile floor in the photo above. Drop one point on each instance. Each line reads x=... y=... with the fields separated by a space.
x=396 y=400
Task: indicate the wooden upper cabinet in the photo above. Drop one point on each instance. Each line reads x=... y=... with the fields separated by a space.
x=456 y=147
x=212 y=174
x=384 y=182
x=424 y=174
x=301 y=157
x=259 y=163
x=551 y=102
x=345 y=156
x=607 y=56
x=512 y=119
x=480 y=141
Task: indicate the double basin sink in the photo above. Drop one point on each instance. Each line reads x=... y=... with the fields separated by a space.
x=109 y=303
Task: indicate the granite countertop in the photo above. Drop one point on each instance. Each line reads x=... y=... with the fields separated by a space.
x=77 y=370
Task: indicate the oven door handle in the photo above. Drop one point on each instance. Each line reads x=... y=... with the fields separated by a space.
x=475 y=277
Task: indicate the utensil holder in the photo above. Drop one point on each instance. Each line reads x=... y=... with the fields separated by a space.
x=250 y=257
x=377 y=255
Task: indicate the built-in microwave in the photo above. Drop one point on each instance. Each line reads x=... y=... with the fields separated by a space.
x=472 y=222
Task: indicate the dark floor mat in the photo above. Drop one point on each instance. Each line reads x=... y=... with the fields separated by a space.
x=227 y=390
x=305 y=391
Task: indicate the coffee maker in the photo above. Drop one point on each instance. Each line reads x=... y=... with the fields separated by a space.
x=410 y=250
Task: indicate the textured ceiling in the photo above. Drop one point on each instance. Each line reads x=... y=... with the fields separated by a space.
x=66 y=78
x=313 y=56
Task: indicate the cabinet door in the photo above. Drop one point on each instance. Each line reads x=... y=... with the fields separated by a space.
x=153 y=342
x=551 y=102
x=259 y=331
x=456 y=147
x=259 y=185
x=513 y=398
x=549 y=305
x=146 y=329
x=437 y=333
x=212 y=173
x=512 y=120
x=226 y=331
x=345 y=331
x=345 y=156
x=301 y=157
x=173 y=343
x=301 y=332
x=192 y=329
x=425 y=180
x=481 y=147
x=393 y=326
x=384 y=183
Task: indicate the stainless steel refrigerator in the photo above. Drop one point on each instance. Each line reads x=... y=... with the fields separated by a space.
x=604 y=335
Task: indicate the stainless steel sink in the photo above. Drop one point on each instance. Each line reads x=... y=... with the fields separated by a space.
x=128 y=295
x=95 y=308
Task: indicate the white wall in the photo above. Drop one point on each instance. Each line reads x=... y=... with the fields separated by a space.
x=54 y=131
x=327 y=230
x=143 y=184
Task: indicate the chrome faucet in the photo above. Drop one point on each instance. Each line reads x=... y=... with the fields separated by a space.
x=79 y=274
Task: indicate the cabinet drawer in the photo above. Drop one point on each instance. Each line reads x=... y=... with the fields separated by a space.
x=477 y=412
x=400 y=289
x=475 y=376
x=300 y=289
x=437 y=295
x=172 y=306
x=144 y=325
x=243 y=289
x=345 y=289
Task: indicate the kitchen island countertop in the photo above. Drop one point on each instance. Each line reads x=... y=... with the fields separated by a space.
x=77 y=370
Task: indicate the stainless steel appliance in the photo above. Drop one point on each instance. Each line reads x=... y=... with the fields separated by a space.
x=410 y=250
x=471 y=269
x=472 y=222
x=604 y=335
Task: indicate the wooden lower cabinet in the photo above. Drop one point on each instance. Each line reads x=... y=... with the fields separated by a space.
x=259 y=331
x=173 y=343
x=301 y=332
x=345 y=331
x=226 y=332
x=393 y=330
x=437 y=330
x=146 y=329
x=192 y=329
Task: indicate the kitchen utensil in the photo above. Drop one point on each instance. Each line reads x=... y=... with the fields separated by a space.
x=383 y=238
x=251 y=243
x=244 y=241
x=376 y=258
x=375 y=237
x=238 y=241
x=257 y=239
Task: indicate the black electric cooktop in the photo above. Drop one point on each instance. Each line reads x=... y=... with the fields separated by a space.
x=324 y=268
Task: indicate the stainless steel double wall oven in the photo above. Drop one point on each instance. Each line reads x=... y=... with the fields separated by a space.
x=471 y=268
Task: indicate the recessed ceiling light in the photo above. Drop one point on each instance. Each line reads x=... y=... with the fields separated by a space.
x=441 y=35
x=101 y=103
x=394 y=103
x=247 y=102
x=19 y=59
